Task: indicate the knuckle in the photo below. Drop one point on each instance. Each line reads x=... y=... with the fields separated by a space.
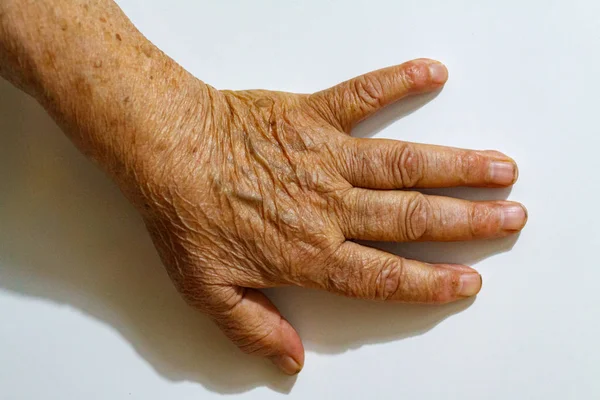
x=467 y=166
x=194 y=294
x=409 y=166
x=389 y=280
x=442 y=288
x=325 y=105
x=336 y=279
x=415 y=75
x=369 y=90
x=416 y=220
x=481 y=220
x=255 y=342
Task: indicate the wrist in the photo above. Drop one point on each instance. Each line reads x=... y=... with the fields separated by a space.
x=105 y=84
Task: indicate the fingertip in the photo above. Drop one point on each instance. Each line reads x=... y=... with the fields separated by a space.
x=291 y=359
x=286 y=364
x=503 y=173
x=255 y=325
x=469 y=284
x=465 y=281
x=514 y=216
x=438 y=73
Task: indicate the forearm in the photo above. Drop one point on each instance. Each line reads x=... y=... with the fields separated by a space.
x=95 y=73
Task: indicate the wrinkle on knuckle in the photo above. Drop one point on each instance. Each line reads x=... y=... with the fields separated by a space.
x=389 y=280
x=324 y=106
x=417 y=216
x=482 y=219
x=336 y=278
x=442 y=288
x=334 y=275
x=467 y=166
x=369 y=91
x=415 y=76
x=338 y=202
x=409 y=166
x=194 y=296
x=253 y=343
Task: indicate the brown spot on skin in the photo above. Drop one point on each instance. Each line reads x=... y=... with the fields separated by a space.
x=63 y=24
x=83 y=87
x=99 y=78
x=264 y=102
x=49 y=59
x=98 y=64
x=161 y=147
x=151 y=77
x=126 y=100
x=194 y=150
x=102 y=19
x=86 y=7
x=118 y=37
x=146 y=49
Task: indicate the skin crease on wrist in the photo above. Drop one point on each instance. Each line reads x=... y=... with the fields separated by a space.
x=243 y=190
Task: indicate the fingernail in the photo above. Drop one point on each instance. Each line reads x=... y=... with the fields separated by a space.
x=286 y=364
x=470 y=284
x=503 y=173
x=513 y=217
x=439 y=73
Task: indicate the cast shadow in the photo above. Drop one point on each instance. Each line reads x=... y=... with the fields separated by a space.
x=390 y=114
x=68 y=236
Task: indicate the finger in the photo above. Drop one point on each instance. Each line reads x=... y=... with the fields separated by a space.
x=253 y=323
x=411 y=216
x=392 y=164
x=368 y=273
x=352 y=101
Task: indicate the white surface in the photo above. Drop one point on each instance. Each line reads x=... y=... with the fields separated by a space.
x=88 y=313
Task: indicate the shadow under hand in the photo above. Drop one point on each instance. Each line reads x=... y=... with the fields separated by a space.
x=332 y=324
x=390 y=114
x=70 y=237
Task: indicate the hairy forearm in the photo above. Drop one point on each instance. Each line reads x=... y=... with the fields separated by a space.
x=96 y=74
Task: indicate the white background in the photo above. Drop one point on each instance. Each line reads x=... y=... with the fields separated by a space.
x=88 y=313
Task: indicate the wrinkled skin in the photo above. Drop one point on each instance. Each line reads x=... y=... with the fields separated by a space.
x=270 y=191
x=255 y=189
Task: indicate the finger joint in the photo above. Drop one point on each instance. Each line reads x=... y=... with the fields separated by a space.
x=369 y=91
x=416 y=221
x=409 y=166
x=389 y=280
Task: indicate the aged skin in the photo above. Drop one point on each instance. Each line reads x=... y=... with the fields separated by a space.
x=242 y=190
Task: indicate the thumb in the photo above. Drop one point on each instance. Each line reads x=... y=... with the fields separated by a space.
x=359 y=98
x=251 y=321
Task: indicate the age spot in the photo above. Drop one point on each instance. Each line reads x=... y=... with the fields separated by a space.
x=102 y=19
x=264 y=102
x=146 y=49
x=118 y=37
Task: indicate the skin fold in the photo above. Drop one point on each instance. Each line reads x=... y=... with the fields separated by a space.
x=243 y=190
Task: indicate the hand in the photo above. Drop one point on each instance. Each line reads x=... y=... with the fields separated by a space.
x=256 y=189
